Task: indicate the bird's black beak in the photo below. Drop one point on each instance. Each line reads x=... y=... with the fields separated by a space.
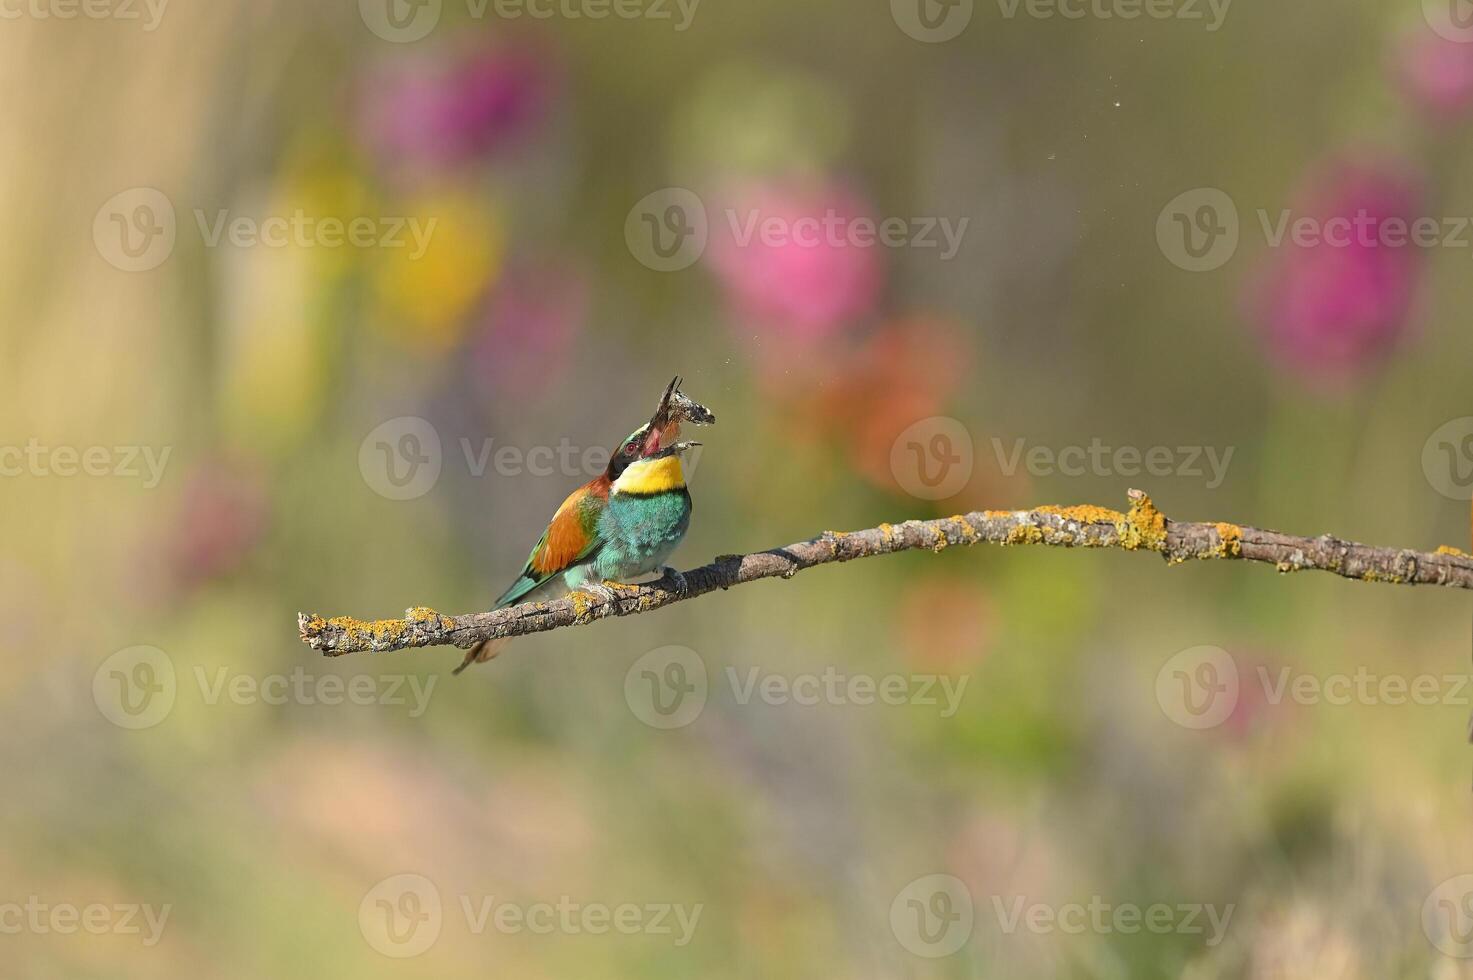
x=675 y=449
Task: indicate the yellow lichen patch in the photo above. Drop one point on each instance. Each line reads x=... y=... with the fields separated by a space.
x=378 y=632
x=1454 y=552
x=1025 y=534
x=422 y=614
x=1085 y=514
x=582 y=603
x=1144 y=527
x=1229 y=541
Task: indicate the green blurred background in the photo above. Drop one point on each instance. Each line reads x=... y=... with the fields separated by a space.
x=276 y=375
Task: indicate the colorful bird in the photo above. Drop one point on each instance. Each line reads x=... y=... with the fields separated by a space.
x=623 y=524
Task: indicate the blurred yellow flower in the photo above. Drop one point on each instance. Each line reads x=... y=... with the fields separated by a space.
x=453 y=245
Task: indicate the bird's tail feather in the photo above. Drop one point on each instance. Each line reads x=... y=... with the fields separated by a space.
x=482 y=652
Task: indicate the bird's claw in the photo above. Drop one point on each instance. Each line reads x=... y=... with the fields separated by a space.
x=604 y=591
x=677 y=578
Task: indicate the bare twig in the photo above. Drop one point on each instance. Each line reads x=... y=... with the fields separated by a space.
x=1144 y=528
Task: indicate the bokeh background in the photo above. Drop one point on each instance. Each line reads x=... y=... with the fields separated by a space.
x=1090 y=300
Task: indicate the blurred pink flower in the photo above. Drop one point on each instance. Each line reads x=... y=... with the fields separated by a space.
x=534 y=317
x=801 y=262
x=1436 y=73
x=1335 y=304
x=443 y=108
x=221 y=516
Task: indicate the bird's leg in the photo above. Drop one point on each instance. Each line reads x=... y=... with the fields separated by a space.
x=676 y=577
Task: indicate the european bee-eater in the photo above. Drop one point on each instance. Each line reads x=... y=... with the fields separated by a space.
x=620 y=525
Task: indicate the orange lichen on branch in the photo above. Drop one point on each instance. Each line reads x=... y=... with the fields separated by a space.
x=1230 y=541
x=1085 y=514
x=1144 y=527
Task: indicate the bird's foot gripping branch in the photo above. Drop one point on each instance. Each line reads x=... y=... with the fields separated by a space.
x=1142 y=528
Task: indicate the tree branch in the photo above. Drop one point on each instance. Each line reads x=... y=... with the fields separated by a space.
x=1144 y=528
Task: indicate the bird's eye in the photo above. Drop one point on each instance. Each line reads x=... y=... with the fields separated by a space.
x=629 y=448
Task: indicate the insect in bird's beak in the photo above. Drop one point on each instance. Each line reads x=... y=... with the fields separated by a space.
x=675 y=407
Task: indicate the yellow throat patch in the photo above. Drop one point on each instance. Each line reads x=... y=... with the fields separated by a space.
x=648 y=476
